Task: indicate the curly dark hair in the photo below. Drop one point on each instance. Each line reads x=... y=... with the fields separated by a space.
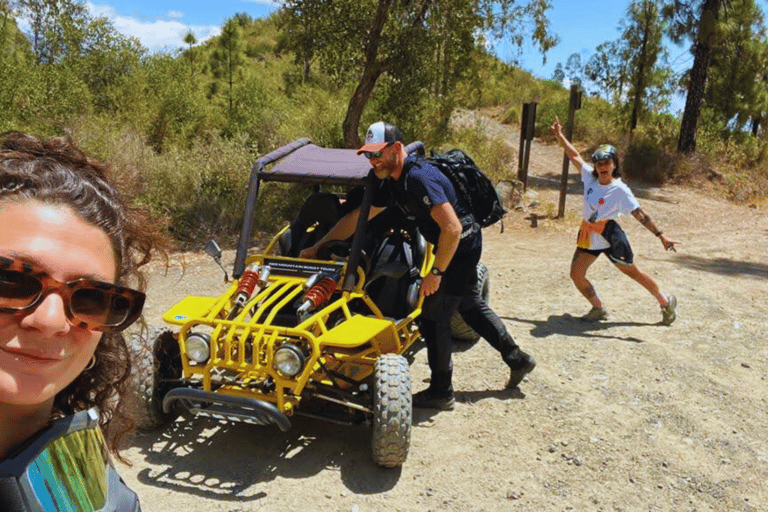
x=56 y=171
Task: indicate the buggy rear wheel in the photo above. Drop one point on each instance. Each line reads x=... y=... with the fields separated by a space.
x=392 y=410
x=459 y=328
x=154 y=371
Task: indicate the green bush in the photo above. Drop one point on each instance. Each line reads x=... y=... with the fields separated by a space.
x=165 y=123
x=314 y=112
x=491 y=154
x=646 y=162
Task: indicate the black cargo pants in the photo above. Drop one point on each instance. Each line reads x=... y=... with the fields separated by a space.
x=459 y=291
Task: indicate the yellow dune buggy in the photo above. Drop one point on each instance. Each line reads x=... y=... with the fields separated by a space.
x=323 y=338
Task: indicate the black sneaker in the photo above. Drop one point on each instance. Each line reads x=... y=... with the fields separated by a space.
x=520 y=370
x=429 y=399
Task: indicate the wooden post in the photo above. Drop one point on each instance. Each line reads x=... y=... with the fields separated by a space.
x=573 y=105
x=521 y=151
x=529 y=131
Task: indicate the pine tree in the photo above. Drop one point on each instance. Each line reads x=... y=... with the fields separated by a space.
x=227 y=59
x=695 y=20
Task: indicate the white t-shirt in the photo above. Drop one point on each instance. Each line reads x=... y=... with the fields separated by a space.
x=605 y=202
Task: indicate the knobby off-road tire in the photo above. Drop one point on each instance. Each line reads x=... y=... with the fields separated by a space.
x=459 y=328
x=392 y=411
x=157 y=360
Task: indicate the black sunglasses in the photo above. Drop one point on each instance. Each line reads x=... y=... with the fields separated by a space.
x=64 y=467
x=88 y=304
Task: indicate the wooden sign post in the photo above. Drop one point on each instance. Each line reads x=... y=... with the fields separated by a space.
x=573 y=106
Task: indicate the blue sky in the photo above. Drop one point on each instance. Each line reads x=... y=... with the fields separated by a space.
x=161 y=24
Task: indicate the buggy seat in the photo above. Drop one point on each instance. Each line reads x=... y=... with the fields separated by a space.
x=317 y=216
x=396 y=261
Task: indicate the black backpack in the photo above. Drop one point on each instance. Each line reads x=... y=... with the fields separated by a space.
x=472 y=185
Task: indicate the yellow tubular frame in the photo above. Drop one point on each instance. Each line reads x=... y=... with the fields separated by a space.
x=349 y=347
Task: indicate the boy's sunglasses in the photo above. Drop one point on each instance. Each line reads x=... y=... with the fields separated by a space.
x=375 y=154
x=65 y=467
x=88 y=304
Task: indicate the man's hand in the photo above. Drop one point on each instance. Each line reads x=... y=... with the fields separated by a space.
x=310 y=253
x=430 y=284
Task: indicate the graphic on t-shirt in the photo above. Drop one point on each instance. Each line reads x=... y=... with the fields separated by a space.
x=605 y=202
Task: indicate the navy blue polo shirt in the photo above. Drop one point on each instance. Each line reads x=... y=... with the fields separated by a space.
x=420 y=187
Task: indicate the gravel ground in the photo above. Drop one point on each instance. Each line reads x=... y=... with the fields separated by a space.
x=625 y=415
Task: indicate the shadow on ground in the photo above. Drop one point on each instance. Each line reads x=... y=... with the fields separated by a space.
x=227 y=461
x=567 y=325
x=725 y=267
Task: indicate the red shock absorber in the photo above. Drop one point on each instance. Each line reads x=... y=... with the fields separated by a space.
x=245 y=288
x=320 y=292
x=247 y=282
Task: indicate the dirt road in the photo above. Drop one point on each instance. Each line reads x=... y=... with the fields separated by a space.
x=623 y=415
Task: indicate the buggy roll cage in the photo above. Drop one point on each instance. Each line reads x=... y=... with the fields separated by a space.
x=303 y=162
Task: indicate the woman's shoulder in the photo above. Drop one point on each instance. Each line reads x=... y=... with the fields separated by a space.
x=622 y=185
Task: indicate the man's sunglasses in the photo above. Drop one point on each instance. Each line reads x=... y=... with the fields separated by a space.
x=88 y=304
x=376 y=154
x=65 y=467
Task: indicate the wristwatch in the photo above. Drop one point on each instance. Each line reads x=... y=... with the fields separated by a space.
x=436 y=271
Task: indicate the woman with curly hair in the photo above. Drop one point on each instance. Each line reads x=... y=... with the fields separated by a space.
x=69 y=245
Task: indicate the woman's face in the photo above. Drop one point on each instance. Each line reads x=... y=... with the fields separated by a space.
x=604 y=170
x=41 y=352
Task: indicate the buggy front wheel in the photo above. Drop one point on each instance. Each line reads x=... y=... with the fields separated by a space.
x=392 y=410
x=156 y=369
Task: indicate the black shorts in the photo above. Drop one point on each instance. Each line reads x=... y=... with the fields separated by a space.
x=620 y=252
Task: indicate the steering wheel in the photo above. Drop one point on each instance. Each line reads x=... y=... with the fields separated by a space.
x=339 y=250
x=331 y=248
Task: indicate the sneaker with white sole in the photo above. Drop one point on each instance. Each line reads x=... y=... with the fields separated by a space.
x=668 y=314
x=595 y=315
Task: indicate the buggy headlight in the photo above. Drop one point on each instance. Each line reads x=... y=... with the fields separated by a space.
x=198 y=347
x=288 y=360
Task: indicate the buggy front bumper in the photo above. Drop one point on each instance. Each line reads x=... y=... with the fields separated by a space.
x=233 y=408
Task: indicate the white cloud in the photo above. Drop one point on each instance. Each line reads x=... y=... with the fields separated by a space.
x=157 y=35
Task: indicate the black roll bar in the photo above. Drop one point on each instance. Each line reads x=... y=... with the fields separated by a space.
x=250 y=204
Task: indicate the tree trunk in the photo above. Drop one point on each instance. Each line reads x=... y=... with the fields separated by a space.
x=698 y=80
x=640 y=84
x=230 y=67
x=372 y=70
x=357 y=105
x=693 y=100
